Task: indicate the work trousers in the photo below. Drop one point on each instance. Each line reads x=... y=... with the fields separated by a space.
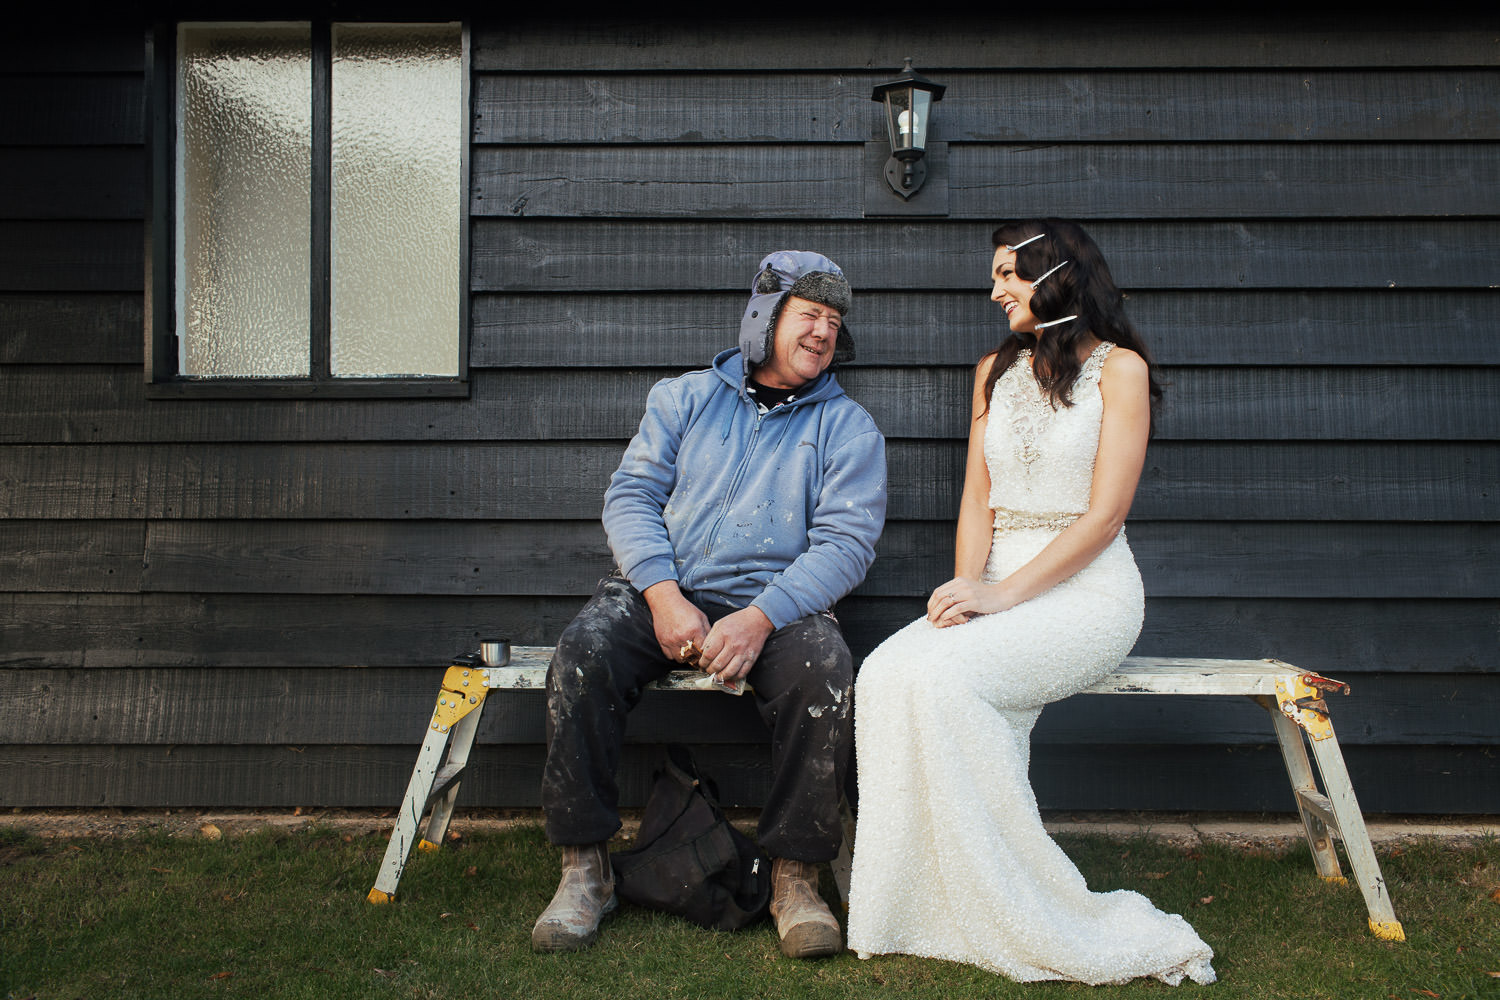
x=803 y=684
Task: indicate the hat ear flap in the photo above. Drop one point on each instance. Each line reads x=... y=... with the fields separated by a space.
x=843 y=348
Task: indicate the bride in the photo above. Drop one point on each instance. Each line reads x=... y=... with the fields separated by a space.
x=951 y=860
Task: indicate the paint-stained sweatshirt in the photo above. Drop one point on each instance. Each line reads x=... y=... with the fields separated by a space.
x=779 y=510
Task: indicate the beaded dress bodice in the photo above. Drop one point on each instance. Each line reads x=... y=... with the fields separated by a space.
x=1041 y=456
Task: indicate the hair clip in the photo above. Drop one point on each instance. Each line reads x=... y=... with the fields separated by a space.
x=1021 y=244
x=1053 y=322
x=1045 y=276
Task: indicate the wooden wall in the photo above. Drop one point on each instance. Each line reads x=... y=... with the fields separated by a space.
x=247 y=603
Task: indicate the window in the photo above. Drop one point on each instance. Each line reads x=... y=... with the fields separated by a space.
x=308 y=220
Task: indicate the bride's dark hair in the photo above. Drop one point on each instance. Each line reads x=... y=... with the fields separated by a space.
x=1084 y=288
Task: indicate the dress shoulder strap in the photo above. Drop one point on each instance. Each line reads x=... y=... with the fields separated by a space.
x=1093 y=366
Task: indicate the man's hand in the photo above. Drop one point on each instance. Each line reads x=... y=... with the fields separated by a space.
x=734 y=644
x=676 y=620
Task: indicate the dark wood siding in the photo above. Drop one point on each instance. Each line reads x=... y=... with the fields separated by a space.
x=246 y=603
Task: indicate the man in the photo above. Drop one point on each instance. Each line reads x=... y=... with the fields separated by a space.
x=747 y=505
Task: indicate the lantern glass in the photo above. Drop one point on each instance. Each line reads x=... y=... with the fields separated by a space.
x=907 y=111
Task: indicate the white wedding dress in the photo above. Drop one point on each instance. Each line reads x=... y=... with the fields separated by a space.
x=950 y=857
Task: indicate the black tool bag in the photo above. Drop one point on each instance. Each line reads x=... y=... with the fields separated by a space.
x=688 y=859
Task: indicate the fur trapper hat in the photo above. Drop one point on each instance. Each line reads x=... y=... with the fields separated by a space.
x=785 y=273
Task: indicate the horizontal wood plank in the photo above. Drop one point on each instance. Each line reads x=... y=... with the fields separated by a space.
x=71 y=556
x=150 y=631
x=1222 y=180
x=94 y=182
x=1177 y=558
x=91 y=109
x=1143 y=38
x=547 y=330
x=893 y=326
x=90 y=46
x=78 y=404
x=68 y=256
x=1214 y=480
x=520 y=255
x=71 y=328
x=604 y=255
x=1010 y=105
x=1343 y=637
x=1387 y=779
x=1353 y=328
x=986 y=181
x=1391 y=779
x=394 y=706
x=762 y=181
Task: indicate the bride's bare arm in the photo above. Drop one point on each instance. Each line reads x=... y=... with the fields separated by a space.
x=975 y=521
x=1124 y=429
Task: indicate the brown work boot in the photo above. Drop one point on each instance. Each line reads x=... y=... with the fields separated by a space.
x=585 y=894
x=803 y=921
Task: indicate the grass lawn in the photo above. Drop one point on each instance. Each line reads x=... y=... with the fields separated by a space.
x=283 y=915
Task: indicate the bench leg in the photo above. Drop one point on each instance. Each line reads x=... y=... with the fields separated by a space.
x=1304 y=791
x=1351 y=827
x=407 y=817
x=1337 y=813
x=458 y=758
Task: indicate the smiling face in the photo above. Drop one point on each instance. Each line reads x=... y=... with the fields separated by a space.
x=1012 y=291
x=802 y=349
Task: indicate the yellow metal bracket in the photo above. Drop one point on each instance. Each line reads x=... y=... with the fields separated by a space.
x=463 y=691
x=1300 y=698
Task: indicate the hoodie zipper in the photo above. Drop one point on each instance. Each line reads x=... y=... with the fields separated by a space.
x=734 y=486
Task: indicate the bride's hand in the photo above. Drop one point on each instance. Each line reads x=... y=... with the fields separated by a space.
x=961 y=599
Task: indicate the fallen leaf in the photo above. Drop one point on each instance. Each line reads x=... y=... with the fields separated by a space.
x=1155 y=874
x=1206 y=900
x=210 y=832
x=473 y=927
x=1426 y=993
x=220 y=975
x=1495 y=896
x=348 y=838
x=444 y=916
x=389 y=975
x=297 y=811
x=1493 y=975
x=454 y=835
x=164 y=871
x=471 y=871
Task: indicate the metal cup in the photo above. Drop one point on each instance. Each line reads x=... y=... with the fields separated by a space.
x=494 y=652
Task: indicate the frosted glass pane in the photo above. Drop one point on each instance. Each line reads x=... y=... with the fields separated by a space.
x=397 y=139
x=244 y=140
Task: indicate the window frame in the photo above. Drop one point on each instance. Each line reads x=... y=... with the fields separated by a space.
x=163 y=380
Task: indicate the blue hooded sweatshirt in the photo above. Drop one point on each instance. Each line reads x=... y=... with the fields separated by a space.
x=779 y=510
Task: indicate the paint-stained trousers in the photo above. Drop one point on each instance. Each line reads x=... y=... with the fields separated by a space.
x=803 y=684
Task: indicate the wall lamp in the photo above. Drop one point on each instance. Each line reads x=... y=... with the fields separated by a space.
x=908 y=101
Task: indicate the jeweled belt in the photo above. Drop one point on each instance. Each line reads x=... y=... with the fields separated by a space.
x=1015 y=520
